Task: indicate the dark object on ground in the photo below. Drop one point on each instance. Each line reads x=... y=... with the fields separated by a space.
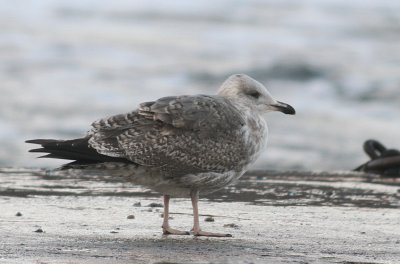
x=209 y=219
x=18 y=214
x=232 y=226
x=155 y=205
x=39 y=230
x=130 y=217
x=385 y=162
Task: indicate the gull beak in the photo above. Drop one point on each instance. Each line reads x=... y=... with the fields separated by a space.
x=284 y=108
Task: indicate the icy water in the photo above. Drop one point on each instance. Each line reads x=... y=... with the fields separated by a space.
x=64 y=64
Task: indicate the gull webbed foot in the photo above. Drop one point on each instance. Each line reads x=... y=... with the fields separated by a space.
x=209 y=234
x=171 y=231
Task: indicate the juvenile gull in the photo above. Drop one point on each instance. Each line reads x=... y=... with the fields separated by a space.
x=178 y=145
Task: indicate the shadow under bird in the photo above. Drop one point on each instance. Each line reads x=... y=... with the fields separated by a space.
x=179 y=146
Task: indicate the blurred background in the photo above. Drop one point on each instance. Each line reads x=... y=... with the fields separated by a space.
x=66 y=63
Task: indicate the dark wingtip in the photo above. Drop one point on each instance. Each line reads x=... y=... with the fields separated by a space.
x=38 y=150
x=41 y=141
x=52 y=156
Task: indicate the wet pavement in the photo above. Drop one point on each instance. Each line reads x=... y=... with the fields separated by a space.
x=274 y=217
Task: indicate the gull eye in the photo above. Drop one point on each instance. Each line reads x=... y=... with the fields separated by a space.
x=254 y=94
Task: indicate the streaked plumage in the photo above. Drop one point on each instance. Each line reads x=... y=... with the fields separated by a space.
x=178 y=145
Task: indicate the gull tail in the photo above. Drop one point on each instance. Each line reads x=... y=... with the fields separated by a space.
x=77 y=150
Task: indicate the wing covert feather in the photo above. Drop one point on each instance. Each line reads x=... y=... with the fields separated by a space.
x=185 y=133
x=199 y=112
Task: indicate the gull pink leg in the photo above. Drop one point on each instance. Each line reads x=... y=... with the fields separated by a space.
x=196 y=226
x=167 y=230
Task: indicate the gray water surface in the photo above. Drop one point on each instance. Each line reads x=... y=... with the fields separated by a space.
x=64 y=64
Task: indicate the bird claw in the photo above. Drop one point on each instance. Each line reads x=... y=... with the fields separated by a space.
x=171 y=231
x=210 y=234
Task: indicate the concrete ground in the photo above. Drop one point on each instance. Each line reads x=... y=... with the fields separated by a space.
x=274 y=217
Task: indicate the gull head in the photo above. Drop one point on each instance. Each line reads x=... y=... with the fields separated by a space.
x=251 y=93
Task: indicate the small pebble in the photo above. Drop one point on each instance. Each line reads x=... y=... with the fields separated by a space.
x=39 y=230
x=18 y=214
x=137 y=204
x=114 y=232
x=155 y=205
x=209 y=219
x=130 y=217
x=232 y=226
x=162 y=216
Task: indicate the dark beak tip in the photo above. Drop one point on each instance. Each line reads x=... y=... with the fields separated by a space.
x=285 y=108
x=290 y=110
